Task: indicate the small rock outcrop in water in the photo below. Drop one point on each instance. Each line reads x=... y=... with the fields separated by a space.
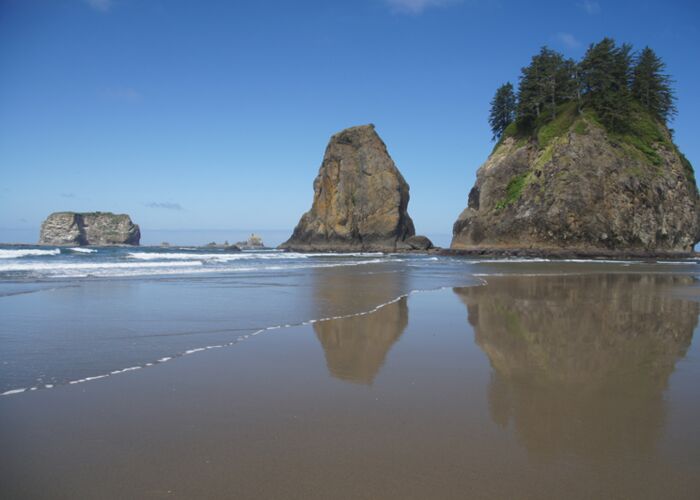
x=253 y=243
x=574 y=187
x=89 y=228
x=223 y=246
x=360 y=200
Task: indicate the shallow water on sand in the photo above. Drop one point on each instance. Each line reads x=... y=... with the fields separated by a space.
x=517 y=380
x=59 y=327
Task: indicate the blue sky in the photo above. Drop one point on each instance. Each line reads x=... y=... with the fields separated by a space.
x=215 y=115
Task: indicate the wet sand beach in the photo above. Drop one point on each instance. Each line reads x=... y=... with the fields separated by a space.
x=577 y=383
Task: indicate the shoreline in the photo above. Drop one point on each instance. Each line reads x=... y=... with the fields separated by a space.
x=239 y=339
x=486 y=252
x=563 y=253
x=306 y=413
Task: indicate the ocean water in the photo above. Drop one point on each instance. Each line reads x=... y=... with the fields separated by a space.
x=71 y=315
x=74 y=314
x=189 y=373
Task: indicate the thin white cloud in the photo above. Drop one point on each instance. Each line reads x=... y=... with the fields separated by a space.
x=568 y=40
x=123 y=94
x=417 y=6
x=591 y=7
x=164 y=204
x=100 y=5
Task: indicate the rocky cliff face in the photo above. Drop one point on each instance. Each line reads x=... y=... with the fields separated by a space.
x=575 y=187
x=360 y=200
x=92 y=228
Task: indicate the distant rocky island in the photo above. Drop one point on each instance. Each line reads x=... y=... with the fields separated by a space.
x=254 y=242
x=360 y=200
x=585 y=163
x=223 y=246
x=89 y=228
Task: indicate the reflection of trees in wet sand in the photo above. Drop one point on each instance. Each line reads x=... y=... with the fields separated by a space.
x=580 y=363
x=356 y=347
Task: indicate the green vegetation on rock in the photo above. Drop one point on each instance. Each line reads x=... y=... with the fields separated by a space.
x=628 y=96
x=551 y=129
x=587 y=166
x=513 y=190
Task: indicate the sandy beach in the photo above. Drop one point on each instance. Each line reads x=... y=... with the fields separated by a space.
x=369 y=250
x=571 y=384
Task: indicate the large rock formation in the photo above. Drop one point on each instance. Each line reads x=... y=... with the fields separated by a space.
x=90 y=228
x=360 y=200
x=575 y=188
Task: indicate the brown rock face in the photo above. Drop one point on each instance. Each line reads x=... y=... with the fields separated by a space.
x=582 y=192
x=91 y=228
x=360 y=199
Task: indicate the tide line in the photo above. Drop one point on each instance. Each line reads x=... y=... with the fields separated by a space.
x=240 y=338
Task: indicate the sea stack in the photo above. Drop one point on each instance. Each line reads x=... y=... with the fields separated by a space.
x=574 y=188
x=89 y=228
x=360 y=200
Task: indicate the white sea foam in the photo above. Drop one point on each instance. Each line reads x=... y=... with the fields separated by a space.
x=221 y=257
x=515 y=260
x=173 y=267
x=87 y=266
x=13 y=391
x=341 y=254
x=82 y=250
x=602 y=261
x=192 y=351
x=238 y=339
x=226 y=257
x=525 y=260
x=677 y=263
x=15 y=254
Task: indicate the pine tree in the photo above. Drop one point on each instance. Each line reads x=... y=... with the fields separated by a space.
x=502 y=109
x=651 y=86
x=605 y=76
x=575 y=86
x=544 y=84
x=530 y=96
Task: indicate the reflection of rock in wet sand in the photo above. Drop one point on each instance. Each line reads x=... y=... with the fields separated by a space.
x=356 y=347
x=581 y=362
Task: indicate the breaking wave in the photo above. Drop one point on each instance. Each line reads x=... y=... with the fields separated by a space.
x=16 y=254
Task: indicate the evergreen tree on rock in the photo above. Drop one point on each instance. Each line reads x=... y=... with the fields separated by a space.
x=606 y=75
x=503 y=107
x=544 y=84
x=651 y=86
